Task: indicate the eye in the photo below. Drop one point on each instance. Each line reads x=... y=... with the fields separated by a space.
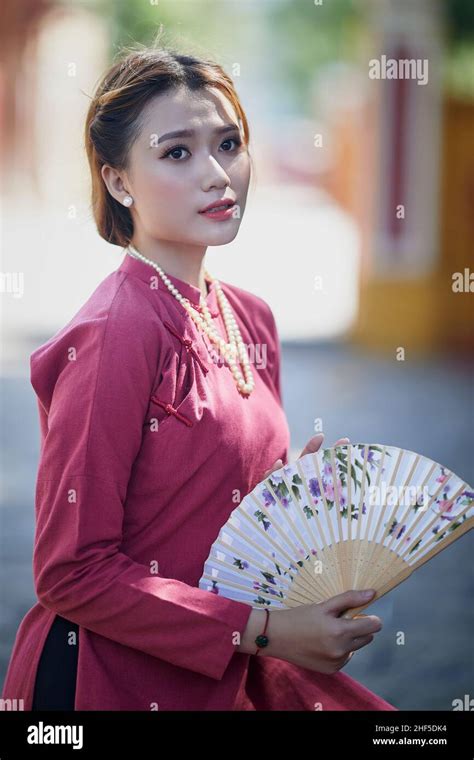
x=173 y=150
x=237 y=141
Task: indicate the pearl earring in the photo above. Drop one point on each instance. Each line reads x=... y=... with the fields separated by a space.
x=128 y=200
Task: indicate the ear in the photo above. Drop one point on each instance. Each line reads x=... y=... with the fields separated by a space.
x=116 y=182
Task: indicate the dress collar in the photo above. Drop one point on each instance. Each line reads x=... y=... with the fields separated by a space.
x=145 y=272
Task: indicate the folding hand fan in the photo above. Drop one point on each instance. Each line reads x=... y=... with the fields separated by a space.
x=352 y=516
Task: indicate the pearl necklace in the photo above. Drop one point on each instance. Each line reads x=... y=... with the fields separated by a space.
x=235 y=345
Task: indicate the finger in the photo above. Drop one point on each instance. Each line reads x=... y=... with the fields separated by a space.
x=361 y=641
x=313 y=445
x=342 y=442
x=275 y=466
x=347 y=600
x=363 y=627
x=344 y=662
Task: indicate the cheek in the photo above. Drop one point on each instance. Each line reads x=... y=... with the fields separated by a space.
x=240 y=171
x=161 y=190
x=240 y=174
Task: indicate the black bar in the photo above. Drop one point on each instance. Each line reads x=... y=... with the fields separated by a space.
x=321 y=734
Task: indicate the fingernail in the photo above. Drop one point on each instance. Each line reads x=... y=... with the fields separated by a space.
x=278 y=463
x=367 y=594
x=377 y=621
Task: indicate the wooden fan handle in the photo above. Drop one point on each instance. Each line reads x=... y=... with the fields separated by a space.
x=349 y=614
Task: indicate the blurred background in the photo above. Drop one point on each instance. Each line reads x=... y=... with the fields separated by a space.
x=358 y=232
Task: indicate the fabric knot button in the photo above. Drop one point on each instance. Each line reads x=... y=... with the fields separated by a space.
x=169 y=408
x=187 y=342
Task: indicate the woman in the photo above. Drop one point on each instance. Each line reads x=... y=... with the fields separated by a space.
x=155 y=424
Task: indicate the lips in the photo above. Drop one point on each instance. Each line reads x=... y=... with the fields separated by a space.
x=218 y=206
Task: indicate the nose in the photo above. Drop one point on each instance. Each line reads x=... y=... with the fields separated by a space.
x=214 y=175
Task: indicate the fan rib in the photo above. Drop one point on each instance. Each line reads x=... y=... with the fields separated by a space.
x=279 y=549
x=291 y=525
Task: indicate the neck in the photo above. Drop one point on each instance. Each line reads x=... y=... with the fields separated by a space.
x=186 y=264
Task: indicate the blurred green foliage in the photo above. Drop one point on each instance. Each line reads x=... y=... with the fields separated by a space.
x=302 y=35
x=309 y=36
x=339 y=31
x=460 y=20
x=459 y=62
x=199 y=27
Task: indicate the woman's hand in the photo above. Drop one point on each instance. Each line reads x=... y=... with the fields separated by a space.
x=314 y=636
x=313 y=445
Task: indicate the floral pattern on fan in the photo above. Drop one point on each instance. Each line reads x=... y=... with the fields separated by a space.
x=351 y=516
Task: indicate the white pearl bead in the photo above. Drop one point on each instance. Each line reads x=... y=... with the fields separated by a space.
x=234 y=346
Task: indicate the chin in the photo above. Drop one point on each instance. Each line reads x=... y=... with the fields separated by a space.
x=222 y=237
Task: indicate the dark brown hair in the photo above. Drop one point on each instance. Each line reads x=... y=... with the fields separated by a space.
x=113 y=119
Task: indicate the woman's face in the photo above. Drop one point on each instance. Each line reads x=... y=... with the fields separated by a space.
x=172 y=178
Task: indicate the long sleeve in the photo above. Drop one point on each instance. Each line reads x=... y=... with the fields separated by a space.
x=94 y=380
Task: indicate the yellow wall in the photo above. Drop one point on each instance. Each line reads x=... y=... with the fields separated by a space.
x=426 y=314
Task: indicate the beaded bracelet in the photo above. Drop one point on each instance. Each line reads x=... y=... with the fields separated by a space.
x=262 y=640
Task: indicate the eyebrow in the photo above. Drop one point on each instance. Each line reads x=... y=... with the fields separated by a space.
x=191 y=132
